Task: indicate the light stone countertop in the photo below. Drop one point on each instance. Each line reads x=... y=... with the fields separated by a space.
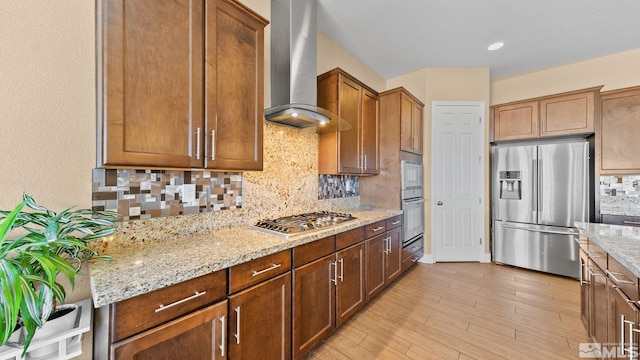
x=138 y=268
x=619 y=241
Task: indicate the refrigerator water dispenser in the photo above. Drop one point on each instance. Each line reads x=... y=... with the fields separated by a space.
x=510 y=185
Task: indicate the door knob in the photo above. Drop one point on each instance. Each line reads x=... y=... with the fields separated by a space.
x=439 y=203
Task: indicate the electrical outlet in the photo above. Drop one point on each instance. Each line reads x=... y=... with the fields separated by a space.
x=188 y=192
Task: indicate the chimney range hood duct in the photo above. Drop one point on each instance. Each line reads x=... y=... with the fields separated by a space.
x=294 y=65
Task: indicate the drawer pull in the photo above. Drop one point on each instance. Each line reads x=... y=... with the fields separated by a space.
x=613 y=276
x=631 y=222
x=378 y=229
x=196 y=295
x=414 y=259
x=274 y=266
x=414 y=248
x=593 y=255
x=395 y=222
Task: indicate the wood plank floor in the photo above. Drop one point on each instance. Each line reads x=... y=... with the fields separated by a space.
x=465 y=311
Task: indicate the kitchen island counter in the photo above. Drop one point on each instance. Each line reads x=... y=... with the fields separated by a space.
x=141 y=266
x=620 y=242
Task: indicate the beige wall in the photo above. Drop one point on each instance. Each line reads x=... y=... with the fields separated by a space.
x=614 y=72
x=447 y=84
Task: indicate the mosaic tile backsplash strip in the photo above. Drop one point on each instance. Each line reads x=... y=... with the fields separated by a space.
x=337 y=186
x=143 y=194
x=620 y=195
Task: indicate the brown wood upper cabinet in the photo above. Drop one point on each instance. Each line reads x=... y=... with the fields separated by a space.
x=617 y=143
x=411 y=110
x=180 y=84
x=352 y=146
x=556 y=115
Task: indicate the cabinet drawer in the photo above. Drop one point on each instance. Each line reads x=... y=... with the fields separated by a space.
x=374 y=229
x=348 y=238
x=394 y=222
x=145 y=311
x=623 y=278
x=244 y=275
x=412 y=259
x=411 y=248
x=314 y=250
x=596 y=254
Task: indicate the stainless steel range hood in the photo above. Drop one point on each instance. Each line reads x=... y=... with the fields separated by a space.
x=294 y=65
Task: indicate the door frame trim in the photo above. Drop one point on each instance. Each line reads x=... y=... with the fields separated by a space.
x=482 y=256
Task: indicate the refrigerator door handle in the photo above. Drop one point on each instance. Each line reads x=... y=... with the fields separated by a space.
x=540 y=177
x=540 y=230
x=534 y=189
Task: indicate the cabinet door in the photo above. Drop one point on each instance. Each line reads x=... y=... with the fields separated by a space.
x=370 y=131
x=619 y=146
x=584 y=292
x=199 y=335
x=417 y=128
x=374 y=257
x=567 y=114
x=599 y=303
x=234 y=86
x=313 y=304
x=407 y=108
x=516 y=121
x=350 y=288
x=393 y=256
x=150 y=95
x=623 y=317
x=349 y=139
x=260 y=321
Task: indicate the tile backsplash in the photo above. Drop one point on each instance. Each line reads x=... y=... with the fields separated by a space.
x=289 y=184
x=143 y=194
x=620 y=195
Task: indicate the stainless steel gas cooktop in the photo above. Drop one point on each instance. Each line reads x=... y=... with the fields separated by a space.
x=297 y=224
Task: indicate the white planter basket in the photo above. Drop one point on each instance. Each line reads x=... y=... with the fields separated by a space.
x=69 y=342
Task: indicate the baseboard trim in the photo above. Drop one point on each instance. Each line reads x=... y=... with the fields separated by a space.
x=427 y=259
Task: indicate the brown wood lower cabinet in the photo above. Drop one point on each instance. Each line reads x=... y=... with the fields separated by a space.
x=260 y=321
x=383 y=259
x=326 y=291
x=199 y=335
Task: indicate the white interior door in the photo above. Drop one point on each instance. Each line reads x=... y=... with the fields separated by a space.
x=457 y=181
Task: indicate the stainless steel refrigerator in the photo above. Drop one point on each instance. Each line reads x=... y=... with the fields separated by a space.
x=538 y=192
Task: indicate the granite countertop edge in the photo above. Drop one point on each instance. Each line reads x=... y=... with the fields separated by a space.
x=136 y=270
x=619 y=241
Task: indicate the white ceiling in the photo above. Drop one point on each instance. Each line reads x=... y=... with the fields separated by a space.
x=394 y=37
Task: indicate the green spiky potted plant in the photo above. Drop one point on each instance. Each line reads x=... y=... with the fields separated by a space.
x=36 y=245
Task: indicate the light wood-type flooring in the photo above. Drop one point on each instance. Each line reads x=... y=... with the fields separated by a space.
x=465 y=311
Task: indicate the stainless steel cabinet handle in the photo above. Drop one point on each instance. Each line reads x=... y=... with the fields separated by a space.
x=613 y=276
x=274 y=266
x=632 y=347
x=414 y=259
x=593 y=273
x=386 y=245
x=237 y=334
x=335 y=272
x=396 y=222
x=223 y=340
x=213 y=144
x=198 y=144
x=165 y=307
x=540 y=231
x=593 y=255
x=631 y=222
x=378 y=229
x=365 y=162
x=341 y=277
x=414 y=248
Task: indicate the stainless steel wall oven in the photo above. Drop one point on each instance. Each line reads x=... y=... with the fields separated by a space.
x=412 y=201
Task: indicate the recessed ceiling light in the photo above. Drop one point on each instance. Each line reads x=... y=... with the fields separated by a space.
x=495 y=46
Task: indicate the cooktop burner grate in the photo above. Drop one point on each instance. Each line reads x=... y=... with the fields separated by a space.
x=297 y=224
